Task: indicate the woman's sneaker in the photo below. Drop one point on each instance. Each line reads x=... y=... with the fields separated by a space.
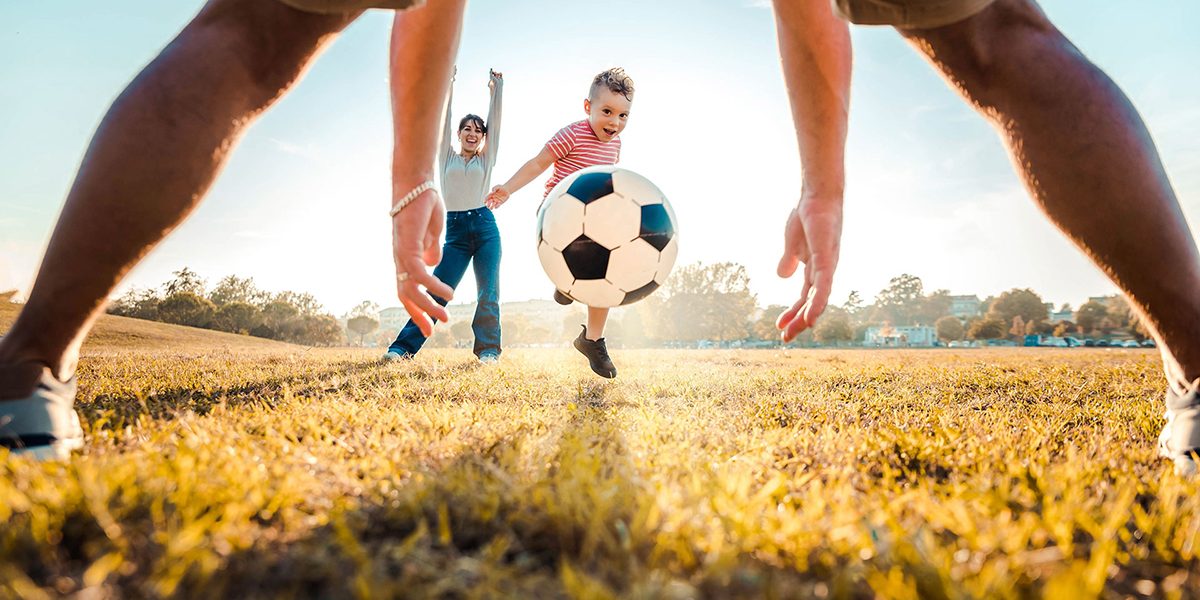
x=1180 y=438
x=597 y=354
x=562 y=298
x=40 y=422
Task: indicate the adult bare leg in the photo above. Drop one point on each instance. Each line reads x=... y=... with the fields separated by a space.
x=1086 y=157
x=154 y=156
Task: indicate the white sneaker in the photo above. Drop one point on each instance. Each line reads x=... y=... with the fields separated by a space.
x=393 y=356
x=1180 y=437
x=42 y=424
x=489 y=359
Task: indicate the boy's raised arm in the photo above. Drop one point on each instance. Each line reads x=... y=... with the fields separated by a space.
x=815 y=50
x=528 y=172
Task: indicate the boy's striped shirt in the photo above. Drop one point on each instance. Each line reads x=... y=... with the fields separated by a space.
x=575 y=147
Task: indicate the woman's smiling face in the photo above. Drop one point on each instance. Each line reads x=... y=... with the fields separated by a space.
x=471 y=136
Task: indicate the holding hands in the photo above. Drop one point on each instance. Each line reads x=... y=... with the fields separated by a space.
x=498 y=196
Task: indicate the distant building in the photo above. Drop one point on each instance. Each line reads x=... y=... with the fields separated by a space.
x=1058 y=316
x=393 y=318
x=919 y=336
x=965 y=307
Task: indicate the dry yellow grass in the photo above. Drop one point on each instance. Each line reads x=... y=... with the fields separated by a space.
x=216 y=469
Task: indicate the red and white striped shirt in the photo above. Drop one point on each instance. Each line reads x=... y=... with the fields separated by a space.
x=575 y=147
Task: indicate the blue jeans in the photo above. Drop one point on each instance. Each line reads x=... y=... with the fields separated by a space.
x=470 y=234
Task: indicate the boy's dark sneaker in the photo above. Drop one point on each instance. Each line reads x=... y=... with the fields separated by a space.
x=562 y=298
x=597 y=355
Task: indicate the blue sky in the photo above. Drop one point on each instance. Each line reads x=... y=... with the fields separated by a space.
x=302 y=205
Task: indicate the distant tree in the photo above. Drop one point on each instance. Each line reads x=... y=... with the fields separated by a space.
x=277 y=316
x=899 y=302
x=305 y=304
x=1063 y=328
x=1089 y=316
x=318 y=330
x=833 y=326
x=139 y=304
x=185 y=281
x=1126 y=317
x=233 y=289
x=949 y=329
x=933 y=307
x=236 y=317
x=1018 y=327
x=709 y=302
x=362 y=325
x=854 y=305
x=186 y=308
x=1018 y=302
x=764 y=327
x=987 y=328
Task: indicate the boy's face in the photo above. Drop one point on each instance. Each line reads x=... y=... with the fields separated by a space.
x=607 y=113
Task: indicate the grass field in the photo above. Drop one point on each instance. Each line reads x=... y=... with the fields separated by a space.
x=222 y=466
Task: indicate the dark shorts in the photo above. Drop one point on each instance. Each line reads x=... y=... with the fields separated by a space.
x=908 y=14
x=342 y=6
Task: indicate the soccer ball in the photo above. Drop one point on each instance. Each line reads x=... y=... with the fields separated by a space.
x=606 y=236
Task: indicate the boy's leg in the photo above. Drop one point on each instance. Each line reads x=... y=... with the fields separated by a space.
x=456 y=255
x=486 y=324
x=596 y=319
x=1087 y=159
x=591 y=343
x=153 y=158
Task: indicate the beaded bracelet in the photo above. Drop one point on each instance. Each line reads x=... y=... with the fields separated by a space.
x=409 y=197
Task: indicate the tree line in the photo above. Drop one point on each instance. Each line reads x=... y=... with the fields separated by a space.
x=699 y=303
x=234 y=305
x=714 y=303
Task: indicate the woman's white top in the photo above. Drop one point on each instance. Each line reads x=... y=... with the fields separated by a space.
x=465 y=183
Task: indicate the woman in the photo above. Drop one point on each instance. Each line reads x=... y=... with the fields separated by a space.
x=471 y=232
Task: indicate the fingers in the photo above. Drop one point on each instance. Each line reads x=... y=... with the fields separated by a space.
x=795 y=246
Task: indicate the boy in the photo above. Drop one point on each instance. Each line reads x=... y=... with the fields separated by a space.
x=587 y=143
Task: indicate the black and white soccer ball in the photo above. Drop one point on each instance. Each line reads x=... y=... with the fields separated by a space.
x=607 y=236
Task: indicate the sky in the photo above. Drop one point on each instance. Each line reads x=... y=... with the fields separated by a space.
x=303 y=203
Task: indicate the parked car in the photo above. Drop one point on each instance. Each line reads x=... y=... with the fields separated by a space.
x=1132 y=344
x=1073 y=342
x=1089 y=342
x=1148 y=343
x=1102 y=343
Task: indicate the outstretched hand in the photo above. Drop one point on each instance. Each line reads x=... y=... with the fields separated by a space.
x=498 y=196
x=812 y=236
x=415 y=245
x=494 y=77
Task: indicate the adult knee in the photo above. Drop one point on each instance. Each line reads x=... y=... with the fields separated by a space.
x=986 y=55
x=269 y=43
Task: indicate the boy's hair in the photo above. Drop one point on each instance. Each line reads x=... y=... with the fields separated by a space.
x=617 y=82
x=478 y=123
